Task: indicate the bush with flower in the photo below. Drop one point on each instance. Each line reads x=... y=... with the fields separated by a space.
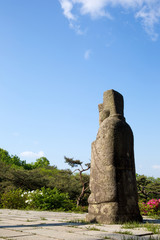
x=152 y=207
x=43 y=199
x=49 y=199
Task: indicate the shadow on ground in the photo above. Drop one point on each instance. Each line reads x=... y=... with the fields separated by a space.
x=45 y=225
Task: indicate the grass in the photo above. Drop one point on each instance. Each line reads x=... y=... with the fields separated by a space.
x=6 y=238
x=78 y=221
x=154 y=216
x=93 y=229
x=28 y=220
x=73 y=226
x=154 y=228
x=132 y=225
x=43 y=218
x=130 y=238
x=125 y=232
x=133 y=238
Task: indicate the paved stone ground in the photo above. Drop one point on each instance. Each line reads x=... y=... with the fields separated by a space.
x=43 y=225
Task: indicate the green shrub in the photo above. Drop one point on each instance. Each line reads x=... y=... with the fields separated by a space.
x=49 y=199
x=44 y=199
x=80 y=209
x=14 y=199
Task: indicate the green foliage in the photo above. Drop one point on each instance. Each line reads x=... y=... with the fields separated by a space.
x=44 y=199
x=49 y=199
x=41 y=162
x=14 y=199
x=27 y=180
x=15 y=161
x=80 y=209
x=49 y=177
x=15 y=173
x=28 y=166
x=4 y=182
x=4 y=156
x=148 y=188
x=64 y=180
x=72 y=163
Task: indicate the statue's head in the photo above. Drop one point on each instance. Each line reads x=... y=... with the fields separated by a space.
x=112 y=105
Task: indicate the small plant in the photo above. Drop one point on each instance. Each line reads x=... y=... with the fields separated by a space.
x=79 y=221
x=154 y=228
x=131 y=225
x=130 y=238
x=71 y=226
x=125 y=232
x=93 y=229
x=28 y=220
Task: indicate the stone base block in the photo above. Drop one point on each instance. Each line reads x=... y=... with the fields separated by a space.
x=108 y=213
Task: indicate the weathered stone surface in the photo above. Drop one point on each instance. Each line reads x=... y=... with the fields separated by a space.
x=62 y=226
x=112 y=180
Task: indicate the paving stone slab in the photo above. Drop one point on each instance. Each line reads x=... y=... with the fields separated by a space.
x=55 y=229
x=36 y=225
x=35 y=238
x=13 y=233
x=63 y=235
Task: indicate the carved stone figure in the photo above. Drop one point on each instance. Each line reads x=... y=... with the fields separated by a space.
x=113 y=187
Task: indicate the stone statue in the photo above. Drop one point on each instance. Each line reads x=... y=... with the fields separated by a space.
x=113 y=187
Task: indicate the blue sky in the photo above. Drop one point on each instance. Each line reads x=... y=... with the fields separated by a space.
x=56 y=60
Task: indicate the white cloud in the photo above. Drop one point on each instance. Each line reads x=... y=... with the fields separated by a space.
x=30 y=154
x=150 y=17
x=157 y=167
x=76 y=27
x=148 y=11
x=67 y=6
x=87 y=54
